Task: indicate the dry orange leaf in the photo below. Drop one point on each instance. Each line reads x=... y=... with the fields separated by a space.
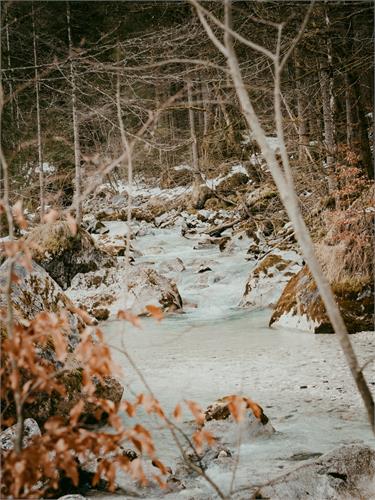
x=177 y=412
x=155 y=312
x=128 y=316
x=196 y=411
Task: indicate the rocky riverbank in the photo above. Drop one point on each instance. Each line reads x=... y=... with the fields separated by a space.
x=216 y=272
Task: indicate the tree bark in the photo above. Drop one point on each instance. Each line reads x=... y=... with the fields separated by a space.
x=40 y=152
x=329 y=126
x=77 y=149
x=349 y=113
x=194 y=145
x=328 y=103
x=302 y=105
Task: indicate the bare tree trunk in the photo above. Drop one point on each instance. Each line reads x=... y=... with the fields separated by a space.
x=206 y=114
x=40 y=156
x=285 y=185
x=230 y=138
x=9 y=61
x=328 y=103
x=13 y=99
x=77 y=150
x=349 y=113
x=206 y=119
x=194 y=145
x=302 y=105
x=329 y=134
x=172 y=132
x=126 y=149
x=161 y=122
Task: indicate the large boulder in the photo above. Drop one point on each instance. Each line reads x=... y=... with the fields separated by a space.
x=32 y=293
x=35 y=291
x=62 y=254
x=105 y=289
x=300 y=305
x=268 y=279
x=346 y=472
x=46 y=405
x=220 y=424
x=31 y=429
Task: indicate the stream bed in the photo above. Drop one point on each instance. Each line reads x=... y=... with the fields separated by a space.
x=216 y=348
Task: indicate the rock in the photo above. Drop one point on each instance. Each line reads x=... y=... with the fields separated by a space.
x=33 y=293
x=301 y=307
x=63 y=255
x=104 y=289
x=115 y=245
x=345 y=472
x=31 y=429
x=205 y=215
x=167 y=219
x=94 y=226
x=72 y=497
x=204 y=269
x=268 y=279
x=48 y=405
x=224 y=243
x=227 y=432
x=205 y=242
x=100 y=313
x=196 y=265
x=176 y=266
x=220 y=422
x=232 y=183
x=200 y=194
x=36 y=291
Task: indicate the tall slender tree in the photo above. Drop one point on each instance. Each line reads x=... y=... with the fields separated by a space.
x=77 y=148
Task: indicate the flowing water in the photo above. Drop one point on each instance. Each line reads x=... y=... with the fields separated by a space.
x=215 y=349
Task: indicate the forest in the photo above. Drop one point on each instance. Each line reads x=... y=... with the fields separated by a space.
x=186 y=249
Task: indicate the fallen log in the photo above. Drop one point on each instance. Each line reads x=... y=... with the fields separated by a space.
x=216 y=231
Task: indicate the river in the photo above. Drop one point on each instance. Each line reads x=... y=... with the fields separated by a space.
x=216 y=348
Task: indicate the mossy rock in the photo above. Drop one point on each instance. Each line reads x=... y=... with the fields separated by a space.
x=267 y=280
x=232 y=184
x=34 y=292
x=45 y=405
x=301 y=306
x=63 y=255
